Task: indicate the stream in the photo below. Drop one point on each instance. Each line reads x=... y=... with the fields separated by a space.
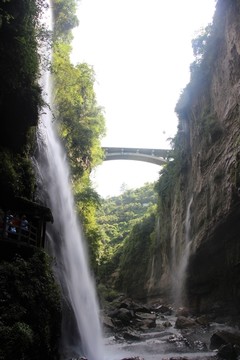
x=165 y=341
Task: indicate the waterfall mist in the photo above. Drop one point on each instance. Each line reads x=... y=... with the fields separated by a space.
x=81 y=330
x=180 y=258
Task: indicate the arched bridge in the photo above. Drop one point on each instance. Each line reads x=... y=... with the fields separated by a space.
x=154 y=156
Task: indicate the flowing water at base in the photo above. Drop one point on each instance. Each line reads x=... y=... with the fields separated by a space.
x=167 y=343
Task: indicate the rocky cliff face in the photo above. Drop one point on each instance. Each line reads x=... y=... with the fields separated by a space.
x=199 y=228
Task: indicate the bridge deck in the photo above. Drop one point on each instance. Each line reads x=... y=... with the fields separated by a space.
x=154 y=156
x=164 y=153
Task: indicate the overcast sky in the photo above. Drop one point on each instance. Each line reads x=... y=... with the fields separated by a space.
x=141 y=52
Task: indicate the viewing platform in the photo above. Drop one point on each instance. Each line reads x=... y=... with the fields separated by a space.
x=23 y=224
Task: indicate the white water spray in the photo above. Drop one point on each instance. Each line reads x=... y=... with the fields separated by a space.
x=66 y=242
x=180 y=260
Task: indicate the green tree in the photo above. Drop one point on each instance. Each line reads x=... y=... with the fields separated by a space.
x=116 y=218
x=80 y=121
x=135 y=257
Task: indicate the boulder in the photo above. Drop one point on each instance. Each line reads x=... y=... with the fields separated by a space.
x=124 y=315
x=182 y=322
x=107 y=322
x=164 y=309
x=129 y=335
x=145 y=320
x=133 y=358
x=203 y=320
x=223 y=338
x=227 y=352
x=182 y=312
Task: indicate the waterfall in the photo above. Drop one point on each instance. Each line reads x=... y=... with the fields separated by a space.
x=180 y=258
x=81 y=333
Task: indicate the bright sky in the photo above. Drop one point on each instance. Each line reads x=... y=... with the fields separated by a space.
x=141 y=52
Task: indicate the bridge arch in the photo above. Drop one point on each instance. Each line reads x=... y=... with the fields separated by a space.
x=154 y=156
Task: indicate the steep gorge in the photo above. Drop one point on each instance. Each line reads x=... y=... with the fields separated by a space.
x=206 y=167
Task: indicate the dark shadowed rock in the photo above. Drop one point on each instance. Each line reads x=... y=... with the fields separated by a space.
x=203 y=320
x=136 y=307
x=133 y=358
x=145 y=320
x=182 y=312
x=107 y=322
x=144 y=316
x=227 y=352
x=129 y=335
x=224 y=338
x=166 y=324
x=182 y=322
x=125 y=315
x=164 y=309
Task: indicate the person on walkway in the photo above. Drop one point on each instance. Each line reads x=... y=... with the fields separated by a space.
x=24 y=224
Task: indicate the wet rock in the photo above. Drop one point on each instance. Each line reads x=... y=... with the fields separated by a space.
x=182 y=322
x=182 y=312
x=227 y=352
x=136 y=307
x=178 y=339
x=119 y=338
x=191 y=358
x=133 y=358
x=145 y=321
x=129 y=335
x=224 y=338
x=117 y=323
x=126 y=303
x=164 y=309
x=166 y=324
x=124 y=315
x=107 y=322
x=177 y=358
x=203 y=320
x=113 y=313
x=145 y=325
x=144 y=316
x=199 y=346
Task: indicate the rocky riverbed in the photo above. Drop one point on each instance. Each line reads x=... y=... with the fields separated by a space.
x=136 y=331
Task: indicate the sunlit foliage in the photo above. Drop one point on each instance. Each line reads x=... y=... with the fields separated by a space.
x=116 y=217
x=80 y=121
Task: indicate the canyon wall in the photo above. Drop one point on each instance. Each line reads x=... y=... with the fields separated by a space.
x=206 y=180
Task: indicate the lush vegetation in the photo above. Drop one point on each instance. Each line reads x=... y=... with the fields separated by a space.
x=80 y=119
x=135 y=257
x=123 y=221
x=20 y=94
x=30 y=309
x=119 y=214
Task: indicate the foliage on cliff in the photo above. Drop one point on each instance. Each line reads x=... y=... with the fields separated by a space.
x=200 y=76
x=135 y=257
x=30 y=310
x=65 y=18
x=117 y=217
x=80 y=119
x=20 y=95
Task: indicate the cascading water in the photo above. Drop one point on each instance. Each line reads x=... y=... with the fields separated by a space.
x=66 y=242
x=180 y=258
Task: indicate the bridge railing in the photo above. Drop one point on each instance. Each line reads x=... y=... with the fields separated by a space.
x=164 y=153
